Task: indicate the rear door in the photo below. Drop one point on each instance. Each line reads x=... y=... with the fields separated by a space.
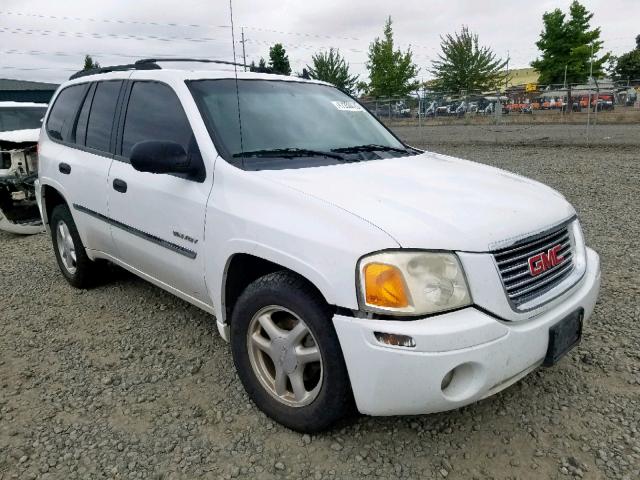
x=159 y=219
x=81 y=127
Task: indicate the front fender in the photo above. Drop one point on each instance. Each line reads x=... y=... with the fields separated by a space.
x=320 y=242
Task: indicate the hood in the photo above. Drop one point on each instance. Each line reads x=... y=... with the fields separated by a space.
x=433 y=201
x=20 y=136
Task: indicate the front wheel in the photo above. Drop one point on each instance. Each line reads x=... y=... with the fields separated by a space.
x=287 y=353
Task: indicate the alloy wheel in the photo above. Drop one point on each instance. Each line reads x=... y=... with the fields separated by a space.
x=285 y=356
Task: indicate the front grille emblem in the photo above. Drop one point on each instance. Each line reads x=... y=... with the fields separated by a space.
x=543 y=261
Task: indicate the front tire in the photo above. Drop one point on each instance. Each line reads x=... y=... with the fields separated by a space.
x=76 y=267
x=287 y=353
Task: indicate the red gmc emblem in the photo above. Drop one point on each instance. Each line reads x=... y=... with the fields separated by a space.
x=543 y=261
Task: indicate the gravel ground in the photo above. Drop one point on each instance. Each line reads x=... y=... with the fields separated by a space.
x=126 y=381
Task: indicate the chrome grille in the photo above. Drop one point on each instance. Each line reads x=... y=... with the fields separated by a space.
x=513 y=263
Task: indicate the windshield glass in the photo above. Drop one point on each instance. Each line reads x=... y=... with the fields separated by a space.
x=278 y=115
x=20 y=118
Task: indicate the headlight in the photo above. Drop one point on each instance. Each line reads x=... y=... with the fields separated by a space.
x=412 y=282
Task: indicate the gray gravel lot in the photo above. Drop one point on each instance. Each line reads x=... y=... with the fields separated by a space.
x=126 y=381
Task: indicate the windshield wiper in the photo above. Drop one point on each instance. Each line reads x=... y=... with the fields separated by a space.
x=289 y=152
x=371 y=147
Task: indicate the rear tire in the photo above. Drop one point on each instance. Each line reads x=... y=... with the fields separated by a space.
x=293 y=369
x=76 y=267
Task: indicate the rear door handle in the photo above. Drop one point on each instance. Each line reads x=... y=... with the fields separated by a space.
x=120 y=185
x=64 y=168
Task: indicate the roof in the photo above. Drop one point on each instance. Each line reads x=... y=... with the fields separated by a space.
x=148 y=68
x=185 y=74
x=22 y=105
x=18 y=85
x=521 y=76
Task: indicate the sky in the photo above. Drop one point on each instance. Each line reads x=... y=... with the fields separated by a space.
x=46 y=41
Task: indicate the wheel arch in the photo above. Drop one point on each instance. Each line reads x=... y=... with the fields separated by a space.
x=241 y=269
x=51 y=197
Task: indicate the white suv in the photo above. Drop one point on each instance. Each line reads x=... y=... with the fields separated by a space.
x=345 y=267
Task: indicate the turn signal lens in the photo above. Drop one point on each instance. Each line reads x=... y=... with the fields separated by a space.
x=385 y=286
x=395 y=340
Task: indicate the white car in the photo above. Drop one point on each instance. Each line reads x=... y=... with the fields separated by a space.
x=19 y=130
x=345 y=267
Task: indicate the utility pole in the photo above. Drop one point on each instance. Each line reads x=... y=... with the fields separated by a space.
x=506 y=79
x=568 y=108
x=244 y=56
x=589 y=104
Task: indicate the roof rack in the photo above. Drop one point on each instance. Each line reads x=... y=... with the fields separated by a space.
x=147 y=64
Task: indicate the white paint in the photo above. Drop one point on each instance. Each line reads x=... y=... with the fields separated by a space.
x=318 y=222
x=401 y=381
x=19 y=136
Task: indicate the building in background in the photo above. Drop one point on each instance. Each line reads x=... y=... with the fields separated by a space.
x=26 y=91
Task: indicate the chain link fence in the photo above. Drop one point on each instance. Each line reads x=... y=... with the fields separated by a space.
x=598 y=101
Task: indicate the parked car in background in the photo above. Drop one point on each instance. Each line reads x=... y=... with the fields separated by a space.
x=400 y=110
x=444 y=110
x=526 y=108
x=345 y=267
x=428 y=109
x=602 y=104
x=19 y=129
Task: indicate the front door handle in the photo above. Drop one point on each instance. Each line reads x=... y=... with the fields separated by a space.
x=120 y=185
x=64 y=168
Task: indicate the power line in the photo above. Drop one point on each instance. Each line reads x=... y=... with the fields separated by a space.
x=58 y=33
x=298 y=46
x=301 y=34
x=170 y=24
x=82 y=54
x=8 y=67
x=107 y=20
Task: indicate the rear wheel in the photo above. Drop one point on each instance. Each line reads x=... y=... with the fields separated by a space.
x=71 y=255
x=287 y=353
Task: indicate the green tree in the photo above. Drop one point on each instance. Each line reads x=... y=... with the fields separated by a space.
x=278 y=60
x=627 y=66
x=331 y=67
x=261 y=67
x=391 y=72
x=362 y=88
x=89 y=63
x=566 y=45
x=465 y=65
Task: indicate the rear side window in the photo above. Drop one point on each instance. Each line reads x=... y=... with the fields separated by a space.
x=155 y=113
x=103 y=110
x=80 y=132
x=63 y=112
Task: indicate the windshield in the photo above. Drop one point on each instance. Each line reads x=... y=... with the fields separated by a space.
x=20 y=118
x=283 y=116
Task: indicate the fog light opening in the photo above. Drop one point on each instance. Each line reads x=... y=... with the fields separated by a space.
x=395 y=340
x=446 y=380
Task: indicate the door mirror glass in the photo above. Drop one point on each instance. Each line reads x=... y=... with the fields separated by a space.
x=160 y=157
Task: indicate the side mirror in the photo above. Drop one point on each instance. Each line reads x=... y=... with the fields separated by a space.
x=160 y=157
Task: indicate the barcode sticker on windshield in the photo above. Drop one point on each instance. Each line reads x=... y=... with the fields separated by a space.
x=348 y=106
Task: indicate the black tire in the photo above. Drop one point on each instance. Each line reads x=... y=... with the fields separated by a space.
x=335 y=399
x=86 y=271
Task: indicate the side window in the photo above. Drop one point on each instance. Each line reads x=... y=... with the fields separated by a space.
x=101 y=116
x=155 y=113
x=64 y=111
x=80 y=132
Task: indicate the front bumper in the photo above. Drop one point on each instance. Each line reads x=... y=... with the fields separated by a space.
x=485 y=354
x=25 y=228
